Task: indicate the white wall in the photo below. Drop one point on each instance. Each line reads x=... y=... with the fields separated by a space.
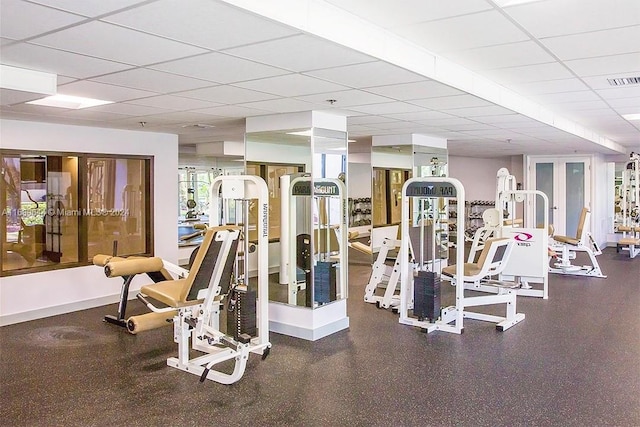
x=36 y=295
x=478 y=176
x=359 y=180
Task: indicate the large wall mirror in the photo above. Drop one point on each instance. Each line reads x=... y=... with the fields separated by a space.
x=305 y=171
x=391 y=167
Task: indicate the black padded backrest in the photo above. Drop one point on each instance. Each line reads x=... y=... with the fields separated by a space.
x=499 y=255
x=204 y=273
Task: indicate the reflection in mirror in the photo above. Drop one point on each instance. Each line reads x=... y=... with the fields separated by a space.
x=392 y=164
x=306 y=226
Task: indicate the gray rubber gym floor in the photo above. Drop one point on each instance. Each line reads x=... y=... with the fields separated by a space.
x=574 y=361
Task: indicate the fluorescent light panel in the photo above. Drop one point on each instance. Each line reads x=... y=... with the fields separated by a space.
x=68 y=101
x=635 y=116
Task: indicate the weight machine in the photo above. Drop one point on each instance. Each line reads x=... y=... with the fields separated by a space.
x=630 y=227
x=318 y=247
x=218 y=286
x=564 y=249
x=420 y=282
x=528 y=262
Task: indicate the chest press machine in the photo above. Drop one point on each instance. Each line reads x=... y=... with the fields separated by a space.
x=419 y=290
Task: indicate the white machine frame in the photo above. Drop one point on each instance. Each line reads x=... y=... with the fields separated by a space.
x=452 y=317
x=380 y=272
x=341 y=235
x=564 y=253
x=630 y=227
x=199 y=324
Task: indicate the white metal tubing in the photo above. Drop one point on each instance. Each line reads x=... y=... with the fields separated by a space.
x=254 y=188
x=406 y=275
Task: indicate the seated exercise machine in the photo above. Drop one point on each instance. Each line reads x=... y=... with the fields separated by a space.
x=564 y=249
x=527 y=268
x=630 y=227
x=156 y=269
x=218 y=286
x=420 y=287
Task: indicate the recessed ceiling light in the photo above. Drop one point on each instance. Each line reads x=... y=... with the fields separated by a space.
x=68 y=101
x=635 y=116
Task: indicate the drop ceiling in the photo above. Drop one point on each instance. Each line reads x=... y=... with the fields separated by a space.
x=171 y=64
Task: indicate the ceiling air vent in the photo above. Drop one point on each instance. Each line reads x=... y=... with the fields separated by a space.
x=623 y=81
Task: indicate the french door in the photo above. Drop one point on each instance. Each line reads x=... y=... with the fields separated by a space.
x=567 y=183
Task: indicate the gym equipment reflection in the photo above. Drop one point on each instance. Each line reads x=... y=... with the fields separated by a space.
x=317 y=254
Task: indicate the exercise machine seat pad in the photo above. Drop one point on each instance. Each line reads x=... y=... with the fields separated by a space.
x=566 y=239
x=169 y=292
x=470 y=269
x=627 y=228
x=629 y=241
x=132 y=266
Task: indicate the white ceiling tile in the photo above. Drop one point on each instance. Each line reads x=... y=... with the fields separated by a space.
x=492 y=110
x=508 y=119
x=368 y=119
x=387 y=13
x=474 y=126
x=420 y=116
x=449 y=102
x=10 y=97
x=291 y=85
x=558 y=98
x=109 y=41
x=233 y=111
x=548 y=19
x=550 y=86
x=91 y=8
x=282 y=105
x=503 y=55
x=176 y=103
x=152 y=80
x=64 y=80
x=388 y=108
x=597 y=43
x=416 y=90
x=366 y=75
x=102 y=91
x=56 y=61
x=181 y=117
x=528 y=73
x=128 y=109
x=300 y=53
x=446 y=122
x=5 y=41
x=464 y=32
x=620 y=92
x=601 y=82
x=90 y=114
x=404 y=126
x=577 y=106
x=613 y=65
x=346 y=98
x=625 y=102
x=358 y=128
x=213 y=25
x=227 y=94
x=20 y=20
x=221 y=68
